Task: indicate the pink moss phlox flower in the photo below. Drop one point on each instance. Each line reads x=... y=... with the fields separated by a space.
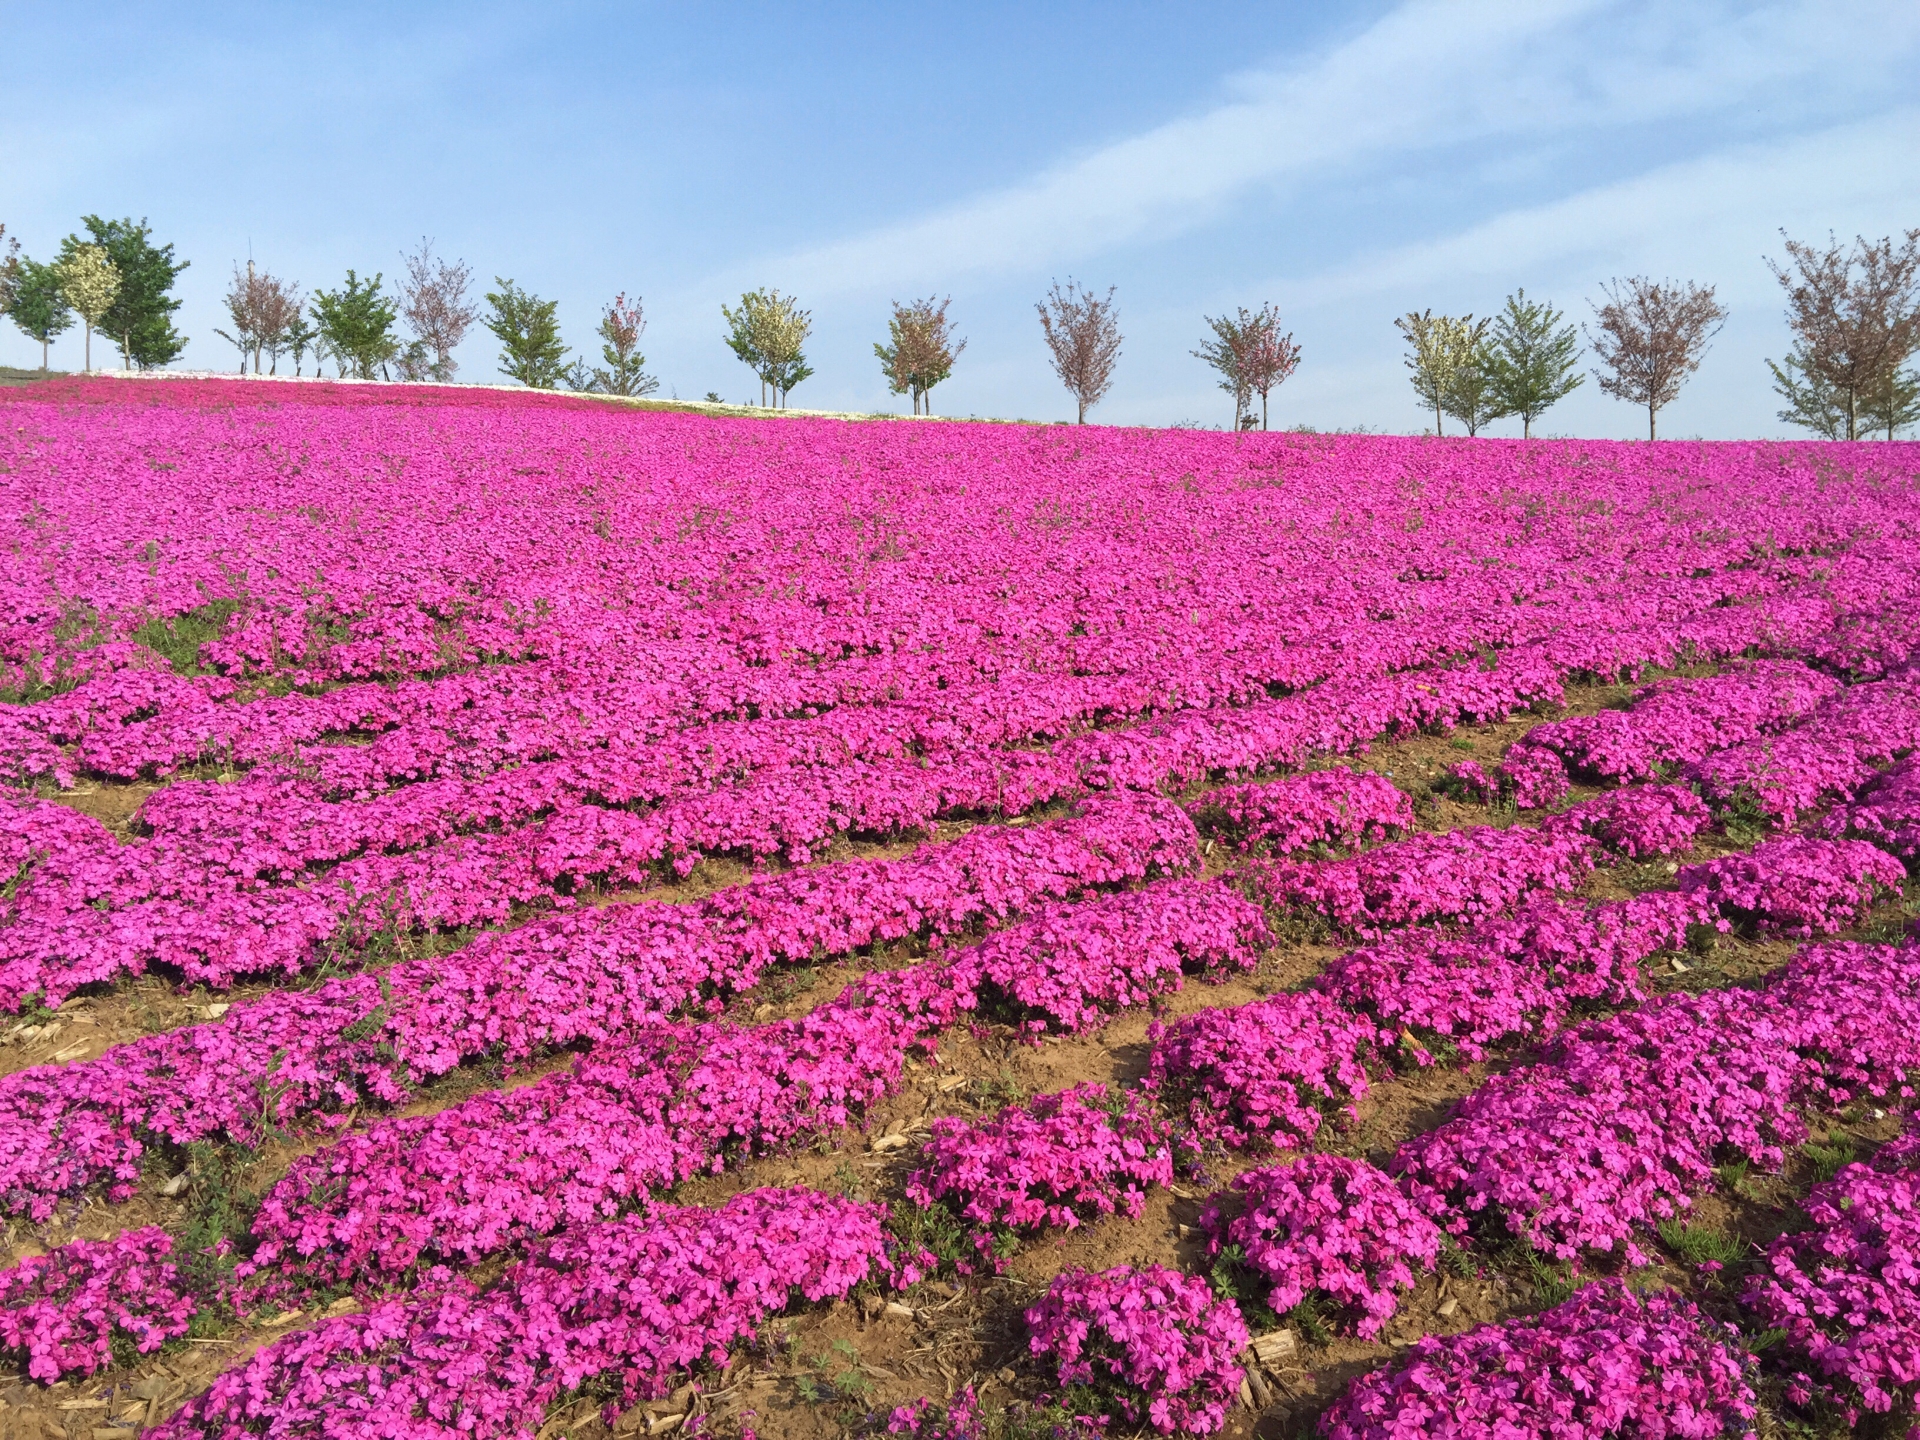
x=1338 y=807
x=1265 y=1073
x=1330 y=1226
x=1606 y=1362
x=629 y=1302
x=63 y=1310
x=1795 y=885
x=1847 y=1289
x=1155 y=1341
x=1057 y=1160
x=1459 y=875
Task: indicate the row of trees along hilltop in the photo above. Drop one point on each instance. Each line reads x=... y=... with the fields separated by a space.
x=1853 y=313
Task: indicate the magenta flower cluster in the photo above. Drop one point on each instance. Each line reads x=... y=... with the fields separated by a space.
x=1886 y=812
x=1665 y=726
x=1639 y=821
x=1512 y=978
x=630 y=1302
x=1057 y=1160
x=62 y=1311
x=1073 y=967
x=1847 y=1289
x=1795 y=885
x=1606 y=1362
x=1270 y=1072
x=1458 y=875
x=1329 y=1227
x=1823 y=760
x=1155 y=1342
x=1340 y=808
x=629 y=1119
x=1626 y=1122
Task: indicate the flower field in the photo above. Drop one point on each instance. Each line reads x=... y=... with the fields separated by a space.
x=521 y=919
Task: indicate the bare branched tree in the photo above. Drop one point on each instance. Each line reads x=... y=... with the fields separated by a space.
x=1083 y=332
x=264 y=310
x=1650 y=336
x=1855 y=315
x=433 y=302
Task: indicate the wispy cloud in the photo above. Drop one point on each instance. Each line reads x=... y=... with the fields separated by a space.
x=1430 y=75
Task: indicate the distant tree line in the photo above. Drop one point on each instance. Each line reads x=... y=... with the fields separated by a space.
x=1853 y=312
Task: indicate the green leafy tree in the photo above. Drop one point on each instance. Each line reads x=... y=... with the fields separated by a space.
x=1893 y=404
x=529 y=334
x=38 y=307
x=89 y=282
x=1532 y=360
x=1471 y=397
x=1439 y=349
x=1252 y=355
x=621 y=325
x=1227 y=352
x=1812 y=403
x=301 y=337
x=10 y=264
x=768 y=332
x=920 y=351
x=356 y=326
x=140 y=320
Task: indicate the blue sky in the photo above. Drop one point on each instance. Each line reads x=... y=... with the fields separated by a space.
x=1348 y=162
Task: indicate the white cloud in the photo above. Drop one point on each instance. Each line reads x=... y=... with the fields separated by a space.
x=1431 y=74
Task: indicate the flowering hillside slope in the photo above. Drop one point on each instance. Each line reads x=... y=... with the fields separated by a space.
x=537 y=918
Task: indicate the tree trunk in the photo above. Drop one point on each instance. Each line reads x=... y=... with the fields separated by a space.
x=1651 y=408
x=88 y=352
x=1853 y=407
x=1083 y=413
x=1263 y=412
x=43 y=358
x=1437 y=430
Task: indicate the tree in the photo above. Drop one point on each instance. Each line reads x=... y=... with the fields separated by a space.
x=920 y=352
x=1439 y=346
x=767 y=333
x=1271 y=356
x=262 y=309
x=1470 y=395
x=89 y=282
x=1811 y=401
x=1083 y=334
x=433 y=301
x=10 y=270
x=1227 y=353
x=1855 y=317
x=1532 y=360
x=621 y=325
x=1894 y=403
x=356 y=326
x=140 y=319
x=1651 y=336
x=529 y=334
x=300 y=338
x=38 y=307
